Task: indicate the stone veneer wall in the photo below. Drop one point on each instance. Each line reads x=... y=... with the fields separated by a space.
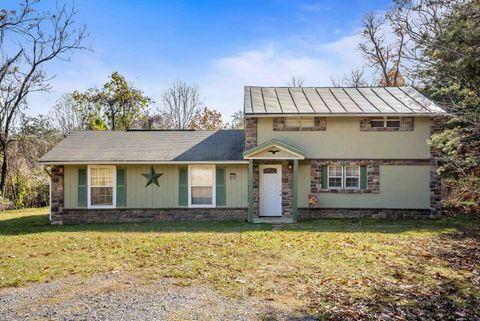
x=435 y=182
x=320 y=124
x=56 y=194
x=287 y=186
x=373 y=175
x=122 y=215
x=362 y=213
x=250 y=132
x=406 y=124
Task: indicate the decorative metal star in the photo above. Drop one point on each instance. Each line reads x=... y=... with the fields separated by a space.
x=152 y=177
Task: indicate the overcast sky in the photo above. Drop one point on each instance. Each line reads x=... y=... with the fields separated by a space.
x=220 y=46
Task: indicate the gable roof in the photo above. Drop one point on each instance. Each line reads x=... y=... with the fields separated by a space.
x=148 y=147
x=337 y=101
x=258 y=152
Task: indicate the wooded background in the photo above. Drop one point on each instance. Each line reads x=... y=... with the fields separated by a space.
x=433 y=45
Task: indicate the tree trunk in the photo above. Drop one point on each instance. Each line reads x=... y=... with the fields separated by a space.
x=4 y=171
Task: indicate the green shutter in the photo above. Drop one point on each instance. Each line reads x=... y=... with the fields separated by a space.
x=324 y=176
x=183 y=187
x=363 y=177
x=121 y=187
x=82 y=187
x=220 y=195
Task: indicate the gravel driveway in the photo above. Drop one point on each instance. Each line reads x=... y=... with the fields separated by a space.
x=123 y=297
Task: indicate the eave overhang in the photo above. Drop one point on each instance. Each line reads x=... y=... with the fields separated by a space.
x=270 y=149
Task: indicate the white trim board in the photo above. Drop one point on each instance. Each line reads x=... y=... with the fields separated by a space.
x=114 y=191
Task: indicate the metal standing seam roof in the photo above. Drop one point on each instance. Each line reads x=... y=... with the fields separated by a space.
x=148 y=147
x=338 y=101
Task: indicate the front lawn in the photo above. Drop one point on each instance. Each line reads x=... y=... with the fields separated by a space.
x=331 y=269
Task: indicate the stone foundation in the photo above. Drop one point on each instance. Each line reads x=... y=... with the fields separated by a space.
x=124 y=215
x=363 y=213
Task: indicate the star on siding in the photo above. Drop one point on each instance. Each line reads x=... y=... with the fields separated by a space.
x=152 y=177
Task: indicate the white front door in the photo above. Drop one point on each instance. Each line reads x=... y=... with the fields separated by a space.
x=270 y=190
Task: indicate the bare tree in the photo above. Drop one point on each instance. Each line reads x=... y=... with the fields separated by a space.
x=180 y=104
x=237 y=120
x=296 y=81
x=151 y=120
x=66 y=115
x=355 y=78
x=33 y=39
x=383 y=48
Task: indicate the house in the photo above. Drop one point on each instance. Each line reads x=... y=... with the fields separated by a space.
x=304 y=153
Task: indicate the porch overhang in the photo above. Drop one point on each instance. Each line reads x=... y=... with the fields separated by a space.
x=274 y=149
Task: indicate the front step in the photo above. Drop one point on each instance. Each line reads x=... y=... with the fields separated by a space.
x=273 y=220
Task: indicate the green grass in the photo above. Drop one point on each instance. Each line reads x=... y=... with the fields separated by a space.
x=331 y=268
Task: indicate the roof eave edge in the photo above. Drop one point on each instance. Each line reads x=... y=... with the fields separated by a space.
x=97 y=162
x=262 y=115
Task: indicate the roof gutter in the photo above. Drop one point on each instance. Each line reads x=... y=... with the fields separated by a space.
x=260 y=115
x=101 y=162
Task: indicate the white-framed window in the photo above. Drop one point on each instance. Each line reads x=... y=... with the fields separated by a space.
x=101 y=186
x=335 y=176
x=201 y=186
x=347 y=177
x=385 y=122
x=352 y=176
x=299 y=122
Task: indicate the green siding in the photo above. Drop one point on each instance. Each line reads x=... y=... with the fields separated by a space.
x=82 y=187
x=404 y=186
x=344 y=140
x=71 y=186
x=363 y=177
x=236 y=185
x=401 y=187
x=304 y=182
x=183 y=187
x=220 y=197
x=121 y=187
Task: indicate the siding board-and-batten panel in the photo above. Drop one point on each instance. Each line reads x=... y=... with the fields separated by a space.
x=165 y=195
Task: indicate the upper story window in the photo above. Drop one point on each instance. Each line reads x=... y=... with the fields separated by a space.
x=202 y=186
x=347 y=177
x=101 y=186
x=299 y=122
x=385 y=122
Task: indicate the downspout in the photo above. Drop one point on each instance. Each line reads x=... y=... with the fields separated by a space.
x=49 y=192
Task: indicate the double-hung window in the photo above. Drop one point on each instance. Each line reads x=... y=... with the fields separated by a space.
x=352 y=177
x=101 y=186
x=201 y=186
x=344 y=177
x=335 y=176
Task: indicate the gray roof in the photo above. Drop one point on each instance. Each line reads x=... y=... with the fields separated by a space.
x=337 y=101
x=148 y=147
